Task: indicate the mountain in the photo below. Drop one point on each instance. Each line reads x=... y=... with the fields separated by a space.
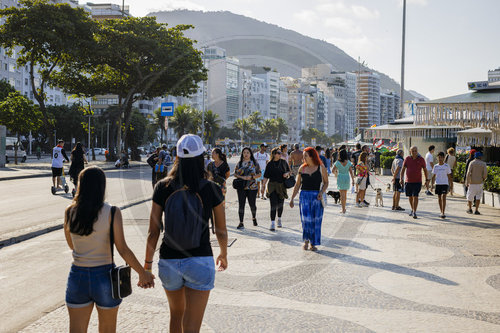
x=258 y=44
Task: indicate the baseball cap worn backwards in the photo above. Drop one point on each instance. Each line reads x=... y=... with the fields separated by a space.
x=478 y=154
x=190 y=145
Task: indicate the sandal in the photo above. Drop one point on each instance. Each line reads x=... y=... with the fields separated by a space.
x=305 y=247
x=314 y=248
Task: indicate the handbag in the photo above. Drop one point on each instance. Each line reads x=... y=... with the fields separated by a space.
x=290 y=182
x=121 y=286
x=239 y=184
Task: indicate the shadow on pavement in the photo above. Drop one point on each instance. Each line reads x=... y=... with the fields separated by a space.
x=387 y=267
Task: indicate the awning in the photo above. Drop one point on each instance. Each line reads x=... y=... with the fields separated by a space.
x=478 y=137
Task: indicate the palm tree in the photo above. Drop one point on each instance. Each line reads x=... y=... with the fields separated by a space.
x=185 y=120
x=211 y=126
x=281 y=128
x=254 y=121
x=268 y=128
x=242 y=125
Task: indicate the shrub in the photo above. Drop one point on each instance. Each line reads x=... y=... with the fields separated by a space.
x=386 y=161
x=492 y=182
x=458 y=173
x=462 y=157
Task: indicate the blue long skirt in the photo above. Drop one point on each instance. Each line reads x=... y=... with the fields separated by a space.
x=311 y=215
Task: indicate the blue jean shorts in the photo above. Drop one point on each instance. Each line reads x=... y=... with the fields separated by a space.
x=88 y=285
x=197 y=273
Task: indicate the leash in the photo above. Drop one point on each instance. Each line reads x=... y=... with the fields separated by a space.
x=381 y=182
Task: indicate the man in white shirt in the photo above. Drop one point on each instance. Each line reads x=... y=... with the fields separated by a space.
x=262 y=158
x=441 y=173
x=429 y=163
x=58 y=157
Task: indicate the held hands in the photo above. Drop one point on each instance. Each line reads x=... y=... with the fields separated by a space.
x=221 y=263
x=146 y=280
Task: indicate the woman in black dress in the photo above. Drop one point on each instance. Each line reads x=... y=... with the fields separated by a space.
x=218 y=169
x=78 y=160
x=277 y=170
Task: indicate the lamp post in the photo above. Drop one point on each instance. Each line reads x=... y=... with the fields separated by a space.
x=403 y=62
x=204 y=48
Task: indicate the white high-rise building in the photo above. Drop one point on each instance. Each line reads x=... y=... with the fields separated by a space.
x=283 y=105
x=245 y=86
x=368 y=88
x=259 y=97
x=296 y=108
x=494 y=75
x=272 y=80
x=389 y=107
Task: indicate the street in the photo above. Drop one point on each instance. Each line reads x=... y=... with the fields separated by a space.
x=376 y=270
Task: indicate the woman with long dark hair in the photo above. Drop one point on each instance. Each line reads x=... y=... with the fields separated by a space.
x=218 y=169
x=277 y=170
x=328 y=156
x=311 y=175
x=78 y=161
x=247 y=169
x=362 y=169
x=343 y=168
x=187 y=273
x=87 y=229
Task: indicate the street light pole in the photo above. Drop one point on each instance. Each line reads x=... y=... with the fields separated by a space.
x=203 y=100
x=88 y=143
x=403 y=63
x=107 y=136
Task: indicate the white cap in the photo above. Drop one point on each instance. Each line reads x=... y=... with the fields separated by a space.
x=190 y=145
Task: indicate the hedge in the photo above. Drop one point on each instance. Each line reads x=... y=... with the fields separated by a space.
x=492 y=182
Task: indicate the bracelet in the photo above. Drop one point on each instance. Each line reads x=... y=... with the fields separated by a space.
x=148 y=262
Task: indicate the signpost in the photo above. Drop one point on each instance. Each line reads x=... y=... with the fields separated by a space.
x=167 y=109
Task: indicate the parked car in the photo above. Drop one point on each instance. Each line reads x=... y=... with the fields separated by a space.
x=99 y=151
x=10 y=152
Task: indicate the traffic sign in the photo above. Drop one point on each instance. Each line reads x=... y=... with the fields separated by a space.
x=167 y=109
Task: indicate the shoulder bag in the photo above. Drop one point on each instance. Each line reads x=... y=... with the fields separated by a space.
x=121 y=286
x=290 y=181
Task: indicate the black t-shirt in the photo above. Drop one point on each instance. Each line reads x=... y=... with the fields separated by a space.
x=275 y=170
x=211 y=196
x=219 y=173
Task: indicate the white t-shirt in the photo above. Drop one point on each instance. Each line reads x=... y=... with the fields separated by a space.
x=262 y=159
x=428 y=160
x=57 y=157
x=441 y=172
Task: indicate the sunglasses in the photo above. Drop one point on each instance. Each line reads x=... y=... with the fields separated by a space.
x=278 y=152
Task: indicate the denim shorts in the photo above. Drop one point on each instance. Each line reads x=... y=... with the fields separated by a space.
x=88 y=285
x=197 y=273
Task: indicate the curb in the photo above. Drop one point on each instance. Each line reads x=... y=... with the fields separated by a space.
x=49 y=227
x=48 y=174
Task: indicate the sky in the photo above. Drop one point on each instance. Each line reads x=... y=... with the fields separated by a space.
x=448 y=42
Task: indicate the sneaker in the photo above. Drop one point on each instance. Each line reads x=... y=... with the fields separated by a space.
x=443 y=216
x=255 y=222
x=477 y=212
x=240 y=226
x=399 y=208
x=469 y=211
x=279 y=223
x=272 y=226
x=411 y=213
x=358 y=205
x=264 y=198
x=366 y=203
x=393 y=208
x=414 y=215
x=428 y=192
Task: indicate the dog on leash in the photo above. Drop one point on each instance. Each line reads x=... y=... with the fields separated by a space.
x=335 y=195
x=388 y=188
x=379 y=198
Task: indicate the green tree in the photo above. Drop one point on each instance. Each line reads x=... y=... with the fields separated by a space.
x=139 y=134
x=281 y=128
x=5 y=89
x=268 y=128
x=185 y=120
x=159 y=122
x=43 y=36
x=242 y=126
x=226 y=132
x=19 y=115
x=254 y=122
x=69 y=121
x=136 y=58
x=212 y=126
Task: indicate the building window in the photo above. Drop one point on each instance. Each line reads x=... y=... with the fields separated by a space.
x=25 y=82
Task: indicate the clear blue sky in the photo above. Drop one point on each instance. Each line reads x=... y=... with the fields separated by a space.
x=448 y=42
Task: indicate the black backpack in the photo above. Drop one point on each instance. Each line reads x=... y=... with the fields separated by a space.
x=183 y=219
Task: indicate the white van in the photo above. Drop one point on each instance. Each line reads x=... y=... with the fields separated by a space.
x=9 y=150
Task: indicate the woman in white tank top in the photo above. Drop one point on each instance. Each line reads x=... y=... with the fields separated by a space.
x=87 y=230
